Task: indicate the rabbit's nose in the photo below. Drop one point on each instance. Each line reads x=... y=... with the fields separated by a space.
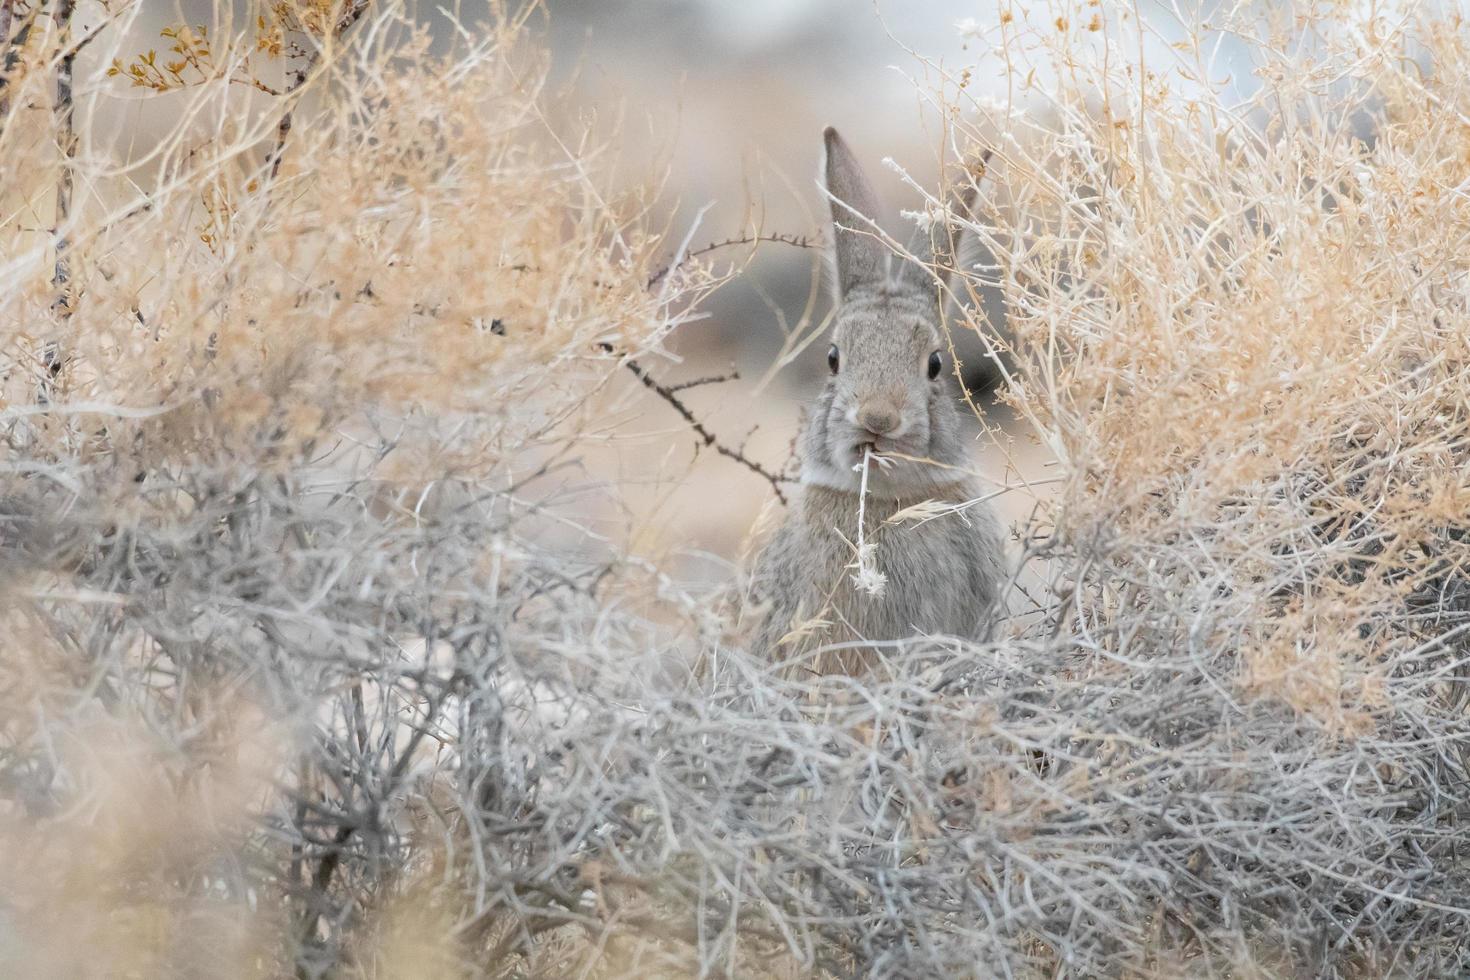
x=879 y=421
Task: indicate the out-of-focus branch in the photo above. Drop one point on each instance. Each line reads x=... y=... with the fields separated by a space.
x=64 y=111
x=326 y=868
x=350 y=16
x=13 y=47
x=7 y=17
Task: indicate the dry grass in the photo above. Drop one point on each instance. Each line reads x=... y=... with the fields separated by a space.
x=1242 y=332
x=326 y=660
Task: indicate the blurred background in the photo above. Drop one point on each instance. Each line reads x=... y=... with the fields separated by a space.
x=725 y=102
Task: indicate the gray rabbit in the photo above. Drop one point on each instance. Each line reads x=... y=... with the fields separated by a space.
x=890 y=394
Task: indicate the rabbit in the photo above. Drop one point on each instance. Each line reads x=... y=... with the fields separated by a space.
x=890 y=390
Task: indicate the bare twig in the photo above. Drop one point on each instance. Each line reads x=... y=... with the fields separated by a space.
x=706 y=437
x=795 y=241
x=715 y=379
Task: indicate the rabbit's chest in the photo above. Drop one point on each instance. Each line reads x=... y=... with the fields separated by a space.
x=938 y=576
x=925 y=582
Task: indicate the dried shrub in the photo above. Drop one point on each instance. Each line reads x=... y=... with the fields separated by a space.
x=329 y=641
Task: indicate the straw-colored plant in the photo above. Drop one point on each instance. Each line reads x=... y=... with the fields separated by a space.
x=327 y=660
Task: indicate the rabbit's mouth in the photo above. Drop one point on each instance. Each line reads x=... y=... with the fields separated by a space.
x=878 y=446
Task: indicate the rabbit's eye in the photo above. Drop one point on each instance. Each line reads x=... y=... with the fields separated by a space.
x=936 y=363
x=832 y=358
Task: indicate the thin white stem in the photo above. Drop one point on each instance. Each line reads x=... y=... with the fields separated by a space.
x=868 y=578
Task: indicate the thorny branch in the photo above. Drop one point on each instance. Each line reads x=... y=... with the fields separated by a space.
x=714 y=379
x=796 y=241
x=706 y=437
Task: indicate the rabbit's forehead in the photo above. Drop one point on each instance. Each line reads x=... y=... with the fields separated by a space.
x=897 y=324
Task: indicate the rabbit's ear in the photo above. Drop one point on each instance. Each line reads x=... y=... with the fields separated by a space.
x=861 y=257
x=940 y=246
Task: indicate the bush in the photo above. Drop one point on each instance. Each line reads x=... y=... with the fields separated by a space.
x=328 y=657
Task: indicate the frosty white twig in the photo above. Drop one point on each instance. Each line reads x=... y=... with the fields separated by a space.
x=868 y=577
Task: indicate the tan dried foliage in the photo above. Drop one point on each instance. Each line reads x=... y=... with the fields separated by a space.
x=432 y=288
x=330 y=666
x=1238 y=305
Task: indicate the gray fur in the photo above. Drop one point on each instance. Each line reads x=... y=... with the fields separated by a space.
x=943 y=575
x=861 y=256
